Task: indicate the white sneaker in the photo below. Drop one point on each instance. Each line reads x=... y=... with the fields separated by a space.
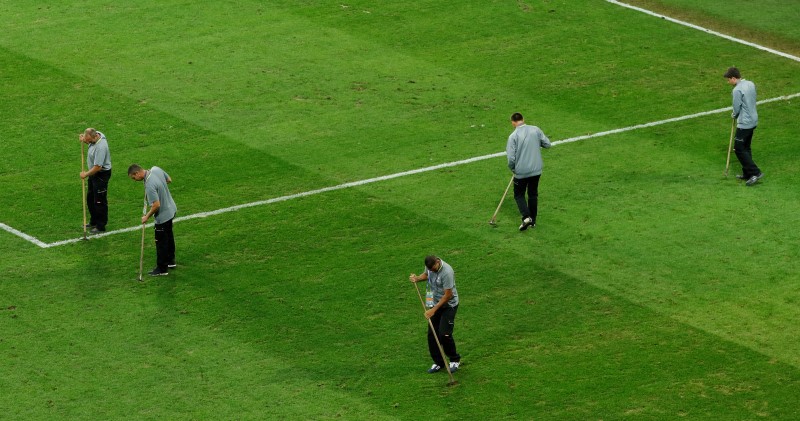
x=527 y=222
x=434 y=369
x=454 y=366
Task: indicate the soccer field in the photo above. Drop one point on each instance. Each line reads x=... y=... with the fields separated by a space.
x=319 y=150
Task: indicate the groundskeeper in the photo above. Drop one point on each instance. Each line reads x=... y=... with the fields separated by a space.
x=441 y=284
x=523 y=151
x=744 y=111
x=98 y=164
x=163 y=208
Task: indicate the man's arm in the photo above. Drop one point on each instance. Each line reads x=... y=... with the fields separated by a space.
x=737 y=103
x=414 y=278
x=95 y=169
x=448 y=294
x=544 y=140
x=511 y=153
x=153 y=209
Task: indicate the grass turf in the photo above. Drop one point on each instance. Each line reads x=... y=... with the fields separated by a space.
x=651 y=287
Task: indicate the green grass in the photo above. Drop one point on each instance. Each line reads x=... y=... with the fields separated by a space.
x=651 y=288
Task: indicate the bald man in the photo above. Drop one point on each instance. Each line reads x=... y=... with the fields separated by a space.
x=98 y=164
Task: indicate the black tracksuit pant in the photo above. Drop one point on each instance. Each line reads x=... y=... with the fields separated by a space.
x=742 y=147
x=530 y=185
x=97 y=199
x=165 y=245
x=444 y=321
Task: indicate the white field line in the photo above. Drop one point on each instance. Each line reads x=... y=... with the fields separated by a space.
x=22 y=235
x=105 y=234
x=706 y=30
x=672 y=120
x=42 y=244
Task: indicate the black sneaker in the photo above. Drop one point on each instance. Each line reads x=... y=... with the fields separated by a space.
x=754 y=179
x=158 y=272
x=434 y=369
x=527 y=222
x=95 y=231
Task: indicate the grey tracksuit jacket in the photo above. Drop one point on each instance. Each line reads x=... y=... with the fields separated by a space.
x=744 y=104
x=523 y=151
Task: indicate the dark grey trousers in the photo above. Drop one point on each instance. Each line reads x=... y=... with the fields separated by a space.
x=741 y=146
x=530 y=186
x=444 y=321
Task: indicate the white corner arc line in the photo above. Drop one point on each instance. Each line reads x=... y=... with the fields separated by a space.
x=709 y=31
x=42 y=244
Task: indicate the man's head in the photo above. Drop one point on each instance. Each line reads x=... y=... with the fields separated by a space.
x=90 y=135
x=733 y=75
x=432 y=263
x=517 y=119
x=136 y=173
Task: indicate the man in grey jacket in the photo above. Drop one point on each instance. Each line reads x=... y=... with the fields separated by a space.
x=744 y=111
x=523 y=151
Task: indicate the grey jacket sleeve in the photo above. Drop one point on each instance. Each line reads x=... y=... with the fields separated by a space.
x=511 y=152
x=737 y=103
x=545 y=142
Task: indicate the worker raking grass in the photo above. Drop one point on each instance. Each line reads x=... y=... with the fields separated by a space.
x=163 y=208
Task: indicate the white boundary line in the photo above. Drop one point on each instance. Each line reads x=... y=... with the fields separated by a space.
x=706 y=30
x=24 y=236
x=42 y=244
